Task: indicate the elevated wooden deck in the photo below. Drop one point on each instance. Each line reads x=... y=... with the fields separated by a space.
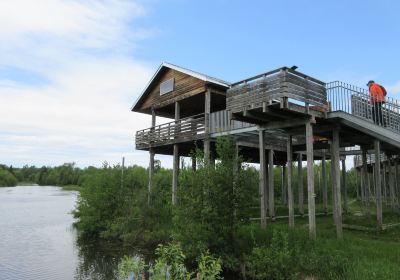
x=281 y=102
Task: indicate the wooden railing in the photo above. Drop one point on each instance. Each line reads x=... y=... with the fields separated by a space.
x=186 y=129
x=272 y=86
x=221 y=121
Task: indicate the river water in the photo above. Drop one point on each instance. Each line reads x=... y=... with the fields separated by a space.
x=38 y=241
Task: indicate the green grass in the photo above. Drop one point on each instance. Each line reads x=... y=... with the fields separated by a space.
x=373 y=255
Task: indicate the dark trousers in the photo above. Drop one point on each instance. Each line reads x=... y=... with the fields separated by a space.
x=377 y=113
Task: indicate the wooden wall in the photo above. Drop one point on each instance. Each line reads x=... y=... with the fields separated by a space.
x=185 y=86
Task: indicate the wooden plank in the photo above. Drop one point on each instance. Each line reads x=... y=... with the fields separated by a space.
x=335 y=162
x=378 y=184
x=289 y=181
x=262 y=179
x=310 y=181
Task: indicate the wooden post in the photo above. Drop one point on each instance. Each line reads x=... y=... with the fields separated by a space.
x=271 y=195
x=262 y=177
x=289 y=152
x=336 y=182
x=365 y=178
x=378 y=184
x=175 y=173
x=207 y=111
x=396 y=180
x=310 y=181
x=391 y=185
x=344 y=184
x=151 y=174
x=194 y=163
x=324 y=184
x=284 y=185
x=300 y=183
x=175 y=169
x=384 y=182
x=152 y=154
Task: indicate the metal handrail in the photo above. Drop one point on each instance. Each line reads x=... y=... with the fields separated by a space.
x=356 y=101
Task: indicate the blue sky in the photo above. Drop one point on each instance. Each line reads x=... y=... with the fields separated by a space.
x=70 y=70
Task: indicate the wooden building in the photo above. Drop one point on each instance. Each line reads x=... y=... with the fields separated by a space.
x=276 y=117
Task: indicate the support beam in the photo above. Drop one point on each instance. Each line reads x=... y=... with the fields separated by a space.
x=335 y=161
x=271 y=195
x=384 y=193
x=207 y=111
x=377 y=147
x=396 y=181
x=262 y=178
x=175 y=167
x=284 y=185
x=152 y=154
x=324 y=184
x=300 y=183
x=288 y=123
x=194 y=163
x=365 y=178
x=344 y=184
x=175 y=171
x=151 y=174
x=289 y=181
x=391 y=185
x=310 y=181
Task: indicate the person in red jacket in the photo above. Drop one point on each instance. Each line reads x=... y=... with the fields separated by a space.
x=377 y=98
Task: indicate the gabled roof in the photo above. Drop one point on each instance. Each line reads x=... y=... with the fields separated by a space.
x=186 y=71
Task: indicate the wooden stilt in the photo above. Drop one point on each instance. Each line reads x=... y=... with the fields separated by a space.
x=324 y=184
x=300 y=183
x=362 y=184
x=391 y=185
x=175 y=173
x=152 y=154
x=151 y=174
x=310 y=181
x=284 y=185
x=378 y=184
x=384 y=193
x=396 y=182
x=289 y=152
x=365 y=178
x=194 y=163
x=207 y=111
x=344 y=184
x=336 y=182
x=175 y=168
x=262 y=178
x=271 y=195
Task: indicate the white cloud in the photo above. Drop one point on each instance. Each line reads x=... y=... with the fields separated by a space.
x=394 y=89
x=81 y=50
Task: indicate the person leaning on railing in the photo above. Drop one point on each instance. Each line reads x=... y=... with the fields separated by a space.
x=377 y=98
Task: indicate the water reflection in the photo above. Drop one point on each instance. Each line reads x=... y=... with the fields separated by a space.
x=97 y=259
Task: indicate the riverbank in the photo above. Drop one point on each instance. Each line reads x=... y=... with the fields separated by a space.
x=71 y=188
